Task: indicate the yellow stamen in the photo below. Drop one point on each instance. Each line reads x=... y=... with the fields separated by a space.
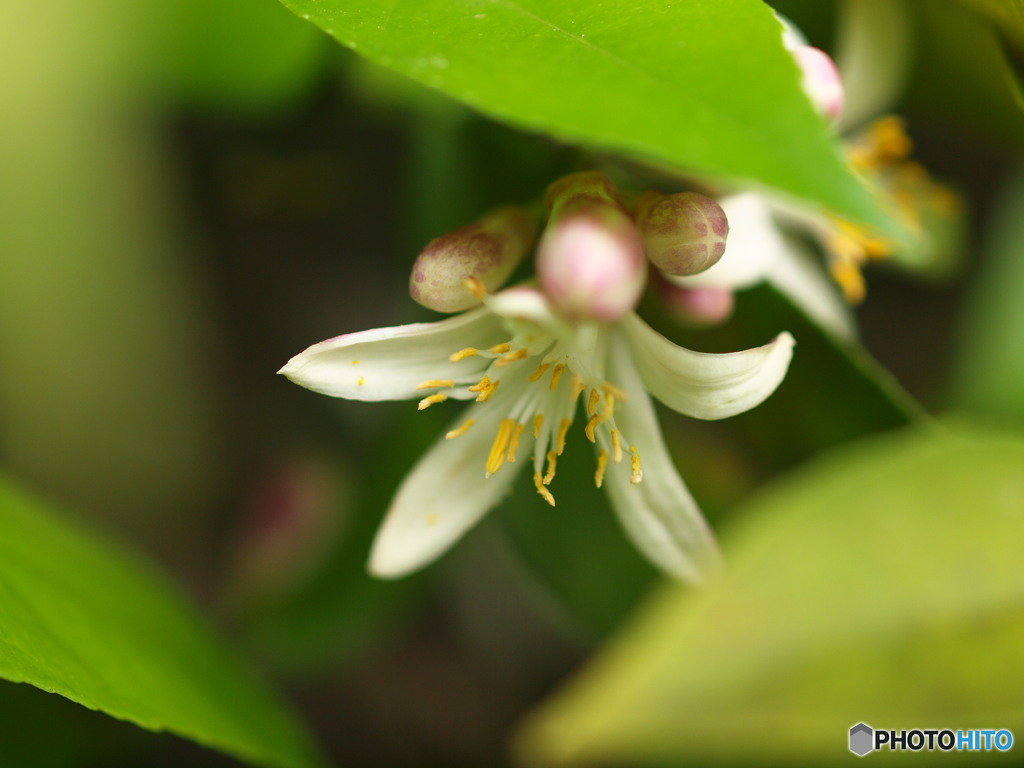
x=563 y=429
x=535 y=376
x=511 y=357
x=615 y=392
x=459 y=431
x=616 y=447
x=474 y=286
x=538 y=483
x=513 y=443
x=429 y=400
x=634 y=466
x=578 y=385
x=538 y=422
x=436 y=383
x=846 y=273
x=550 y=474
x=592 y=422
x=889 y=138
x=602 y=462
x=609 y=408
x=485 y=387
x=361 y=380
x=556 y=375
x=497 y=455
x=462 y=354
x=592 y=401
x=499 y=349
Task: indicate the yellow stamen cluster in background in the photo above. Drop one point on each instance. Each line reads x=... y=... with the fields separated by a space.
x=882 y=154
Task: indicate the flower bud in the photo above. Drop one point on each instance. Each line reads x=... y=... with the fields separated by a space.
x=683 y=234
x=590 y=259
x=488 y=249
x=821 y=81
x=700 y=307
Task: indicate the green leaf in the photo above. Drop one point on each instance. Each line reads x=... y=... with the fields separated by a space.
x=989 y=374
x=1007 y=14
x=86 y=619
x=705 y=87
x=880 y=585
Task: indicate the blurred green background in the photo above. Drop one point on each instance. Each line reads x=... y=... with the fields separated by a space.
x=190 y=193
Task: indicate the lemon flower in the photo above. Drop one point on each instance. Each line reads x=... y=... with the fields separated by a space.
x=531 y=374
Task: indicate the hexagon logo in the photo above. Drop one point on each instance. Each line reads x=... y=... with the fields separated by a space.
x=862 y=739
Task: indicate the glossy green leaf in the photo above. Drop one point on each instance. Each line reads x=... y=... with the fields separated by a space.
x=82 y=617
x=881 y=584
x=701 y=86
x=989 y=376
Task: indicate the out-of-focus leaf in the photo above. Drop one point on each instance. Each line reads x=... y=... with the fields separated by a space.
x=1007 y=14
x=705 y=87
x=961 y=73
x=81 y=617
x=881 y=584
x=989 y=376
x=239 y=54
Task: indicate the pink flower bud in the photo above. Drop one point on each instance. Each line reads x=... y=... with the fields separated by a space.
x=590 y=259
x=488 y=249
x=821 y=81
x=683 y=234
x=699 y=307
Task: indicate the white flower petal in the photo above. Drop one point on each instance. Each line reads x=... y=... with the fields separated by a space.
x=659 y=514
x=389 y=363
x=444 y=495
x=753 y=246
x=800 y=277
x=702 y=384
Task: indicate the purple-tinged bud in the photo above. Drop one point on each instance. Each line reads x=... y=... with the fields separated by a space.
x=821 y=81
x=488 y=249
x=700 y=307
x=590 y=259
x=683 y=234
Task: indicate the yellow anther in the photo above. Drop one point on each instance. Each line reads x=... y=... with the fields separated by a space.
x=592 y=422
x=355 y=362
x=616 y=446
x=538 y=483
x=360 y=381
x=556 y=375
x=541 y=369
x=498 y=448
x=637 y=472
x=602 y=462
x=499 y=349
x=552 y=463
x=850 y=280
x=429 y=400
x=578 y=385
x=513 y=443
x=538 y=422
x=474 y=286
x=433 y=519
x=563 y=430
x=511 y=357
x=459 y=431
x=889 y=139
x=609 y=407
x=462 y=354
x=485 y=387
x=615 y=392
x=436 y=384
x=592 y=401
